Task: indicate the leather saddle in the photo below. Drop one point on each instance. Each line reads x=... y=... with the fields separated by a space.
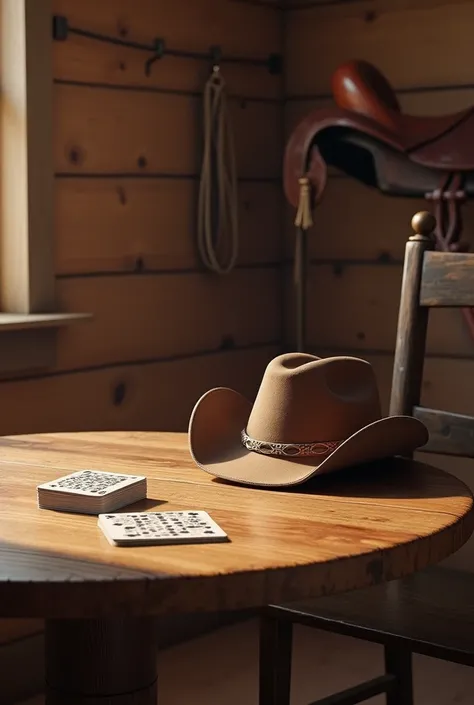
x=367 y=136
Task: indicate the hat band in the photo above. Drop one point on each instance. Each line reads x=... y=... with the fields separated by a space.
x=289 y=450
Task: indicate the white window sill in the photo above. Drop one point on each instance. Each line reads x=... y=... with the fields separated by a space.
x=28 y=321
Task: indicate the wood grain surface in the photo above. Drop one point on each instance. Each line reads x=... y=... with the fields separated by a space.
x=241 y=29
x=363 y=313
x=145 y=395
x=428 y=30
x=448 y=279
x=352 y=530
x=143 y=225
x=140 y=305
x=168 y=142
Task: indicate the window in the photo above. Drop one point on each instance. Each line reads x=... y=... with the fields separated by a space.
x=28 y=316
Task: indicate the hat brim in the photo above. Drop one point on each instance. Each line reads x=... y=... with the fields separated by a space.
x=215 y=444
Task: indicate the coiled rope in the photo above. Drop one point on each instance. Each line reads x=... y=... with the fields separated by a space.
x=218 y=227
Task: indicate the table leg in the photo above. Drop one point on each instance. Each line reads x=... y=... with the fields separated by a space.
x=106 y=661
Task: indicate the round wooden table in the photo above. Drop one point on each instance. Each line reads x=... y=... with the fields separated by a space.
x=343 y=531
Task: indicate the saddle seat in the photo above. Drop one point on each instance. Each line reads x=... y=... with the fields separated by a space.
x=367 y=136
x=360 y=88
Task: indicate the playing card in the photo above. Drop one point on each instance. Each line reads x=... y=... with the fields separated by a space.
x=154 y=528
x=91 y=483
x=91 y=492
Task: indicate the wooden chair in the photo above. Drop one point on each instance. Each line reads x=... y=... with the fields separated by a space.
x=430 y=612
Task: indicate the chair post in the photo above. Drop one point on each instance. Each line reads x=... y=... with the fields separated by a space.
x=276 y=637
x=398 y=663
x=412 y=320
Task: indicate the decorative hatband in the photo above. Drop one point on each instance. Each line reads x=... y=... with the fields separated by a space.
x=289 y=450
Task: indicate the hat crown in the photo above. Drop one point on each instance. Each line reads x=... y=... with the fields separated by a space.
x=304 y=399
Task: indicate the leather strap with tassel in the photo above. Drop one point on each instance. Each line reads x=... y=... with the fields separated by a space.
x=303 y=221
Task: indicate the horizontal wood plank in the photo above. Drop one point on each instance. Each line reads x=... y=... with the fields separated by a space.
x=356 y=307
x=248 y=29
x=450 y=433
x=141 y=224
x=356 y=222
x=110 y=131
x=143 y=317
x=448 y=279
x=146 y=317
x=158 y=396
x=348 y=8
x=426 y=35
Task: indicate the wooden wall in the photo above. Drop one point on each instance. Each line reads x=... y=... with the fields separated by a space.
x=357 y=243
x=126 y=158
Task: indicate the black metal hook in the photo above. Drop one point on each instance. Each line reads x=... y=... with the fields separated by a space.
x=158 y=53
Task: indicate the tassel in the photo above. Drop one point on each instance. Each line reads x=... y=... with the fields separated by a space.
x=304 y=219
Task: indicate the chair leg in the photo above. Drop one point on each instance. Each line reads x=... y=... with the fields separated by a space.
x=398 y=662
x=275 y=661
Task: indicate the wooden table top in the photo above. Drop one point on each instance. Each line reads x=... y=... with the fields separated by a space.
x=342 y=531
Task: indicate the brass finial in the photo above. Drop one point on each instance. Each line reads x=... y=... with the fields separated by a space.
x=423 y=223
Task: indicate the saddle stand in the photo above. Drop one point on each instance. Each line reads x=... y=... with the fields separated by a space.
x=368 y=137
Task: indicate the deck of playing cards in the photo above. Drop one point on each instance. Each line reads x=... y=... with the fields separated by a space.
x=155 y=528
x=91 y=492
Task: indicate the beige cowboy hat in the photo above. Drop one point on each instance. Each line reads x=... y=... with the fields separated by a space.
x=310 y=416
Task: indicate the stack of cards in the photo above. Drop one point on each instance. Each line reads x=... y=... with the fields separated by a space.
x=154 y=528
x=91 y=492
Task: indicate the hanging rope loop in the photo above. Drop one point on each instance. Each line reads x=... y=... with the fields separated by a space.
x=218 y=231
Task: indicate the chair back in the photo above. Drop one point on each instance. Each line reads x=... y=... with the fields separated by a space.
x=430 y=279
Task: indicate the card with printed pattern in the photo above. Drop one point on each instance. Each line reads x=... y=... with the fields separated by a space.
x=158 y=528
x=91 y=492
x=91 y=483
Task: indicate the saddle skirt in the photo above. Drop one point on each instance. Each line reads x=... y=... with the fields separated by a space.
x=367 y=136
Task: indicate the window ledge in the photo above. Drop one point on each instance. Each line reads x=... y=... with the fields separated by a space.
x=28 y=342
x=33 y=321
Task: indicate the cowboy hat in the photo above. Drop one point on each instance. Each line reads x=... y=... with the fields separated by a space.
x=310 y=416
